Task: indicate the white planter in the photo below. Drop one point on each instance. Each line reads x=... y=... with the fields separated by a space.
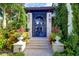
x=19 y=46
x=20 y=38
x=57 y=46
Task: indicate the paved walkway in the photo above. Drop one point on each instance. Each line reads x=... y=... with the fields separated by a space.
x=38 y=47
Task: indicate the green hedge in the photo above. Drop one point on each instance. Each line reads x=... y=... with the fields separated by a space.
x=75 y=8
x=13 y=54
x=72 y=42
x=61 y=19
x=71 y=47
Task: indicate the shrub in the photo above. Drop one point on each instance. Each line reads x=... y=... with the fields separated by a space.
x=61 y=19
x=11 y=40
x=52 y=37
x=17 y=54
x=71 y=46
x=25 y=35
x=2 y=40
x=75 y=21
x=12 y=54
x=4 y=54
x=3 y=37
x=59 y=54
x=55 y=32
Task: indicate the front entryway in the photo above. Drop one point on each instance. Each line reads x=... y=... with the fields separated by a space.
x=39 y=23
x=39 y=26
x=38 y=47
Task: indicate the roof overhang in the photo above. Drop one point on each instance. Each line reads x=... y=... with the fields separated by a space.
x=32 y=9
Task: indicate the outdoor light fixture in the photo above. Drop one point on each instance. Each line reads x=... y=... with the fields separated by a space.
x=49 y=17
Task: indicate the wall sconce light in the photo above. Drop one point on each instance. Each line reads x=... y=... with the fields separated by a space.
x=49 y=17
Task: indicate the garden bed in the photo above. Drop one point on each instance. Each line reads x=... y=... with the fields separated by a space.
x=12 y=54
x=5 y=51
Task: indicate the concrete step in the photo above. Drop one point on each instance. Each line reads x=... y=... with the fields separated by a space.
x=36 y=43
x=39 y=41
x=38 y=52
x=36 y=38
x=38 y=46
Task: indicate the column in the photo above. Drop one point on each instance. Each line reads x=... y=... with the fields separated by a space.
x=29 y=18
x=49 y=17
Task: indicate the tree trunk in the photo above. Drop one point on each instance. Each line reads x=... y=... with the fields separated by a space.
x=69 y=18
x=4 y=19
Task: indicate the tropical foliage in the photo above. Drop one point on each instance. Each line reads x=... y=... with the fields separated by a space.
x=71 y=46
x=12 y=54
x=13 y=17
x=13 y=12
x=75 y=8
x=61 y=19
x=3 y=37
x=72 y=42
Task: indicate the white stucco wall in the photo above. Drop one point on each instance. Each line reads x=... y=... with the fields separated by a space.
x=30 y=23
x=49 y=16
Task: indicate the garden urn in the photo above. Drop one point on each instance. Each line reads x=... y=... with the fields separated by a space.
x=57 y=46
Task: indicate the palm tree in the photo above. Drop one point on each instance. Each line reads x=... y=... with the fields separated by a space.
x=8 y=9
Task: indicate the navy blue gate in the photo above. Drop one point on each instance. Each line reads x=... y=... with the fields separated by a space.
x=39 y=24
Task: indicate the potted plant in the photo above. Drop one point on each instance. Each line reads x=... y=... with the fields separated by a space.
x=26 y=37
x=55 y=32
x=20 y=31
x=52 y=37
